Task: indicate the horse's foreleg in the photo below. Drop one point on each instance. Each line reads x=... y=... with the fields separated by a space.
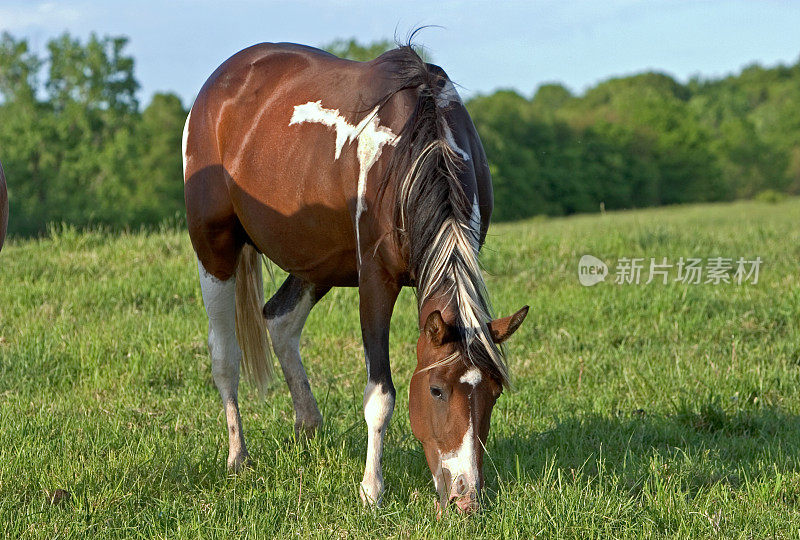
x=377 y=295
x=219 y=300
x=286 y=314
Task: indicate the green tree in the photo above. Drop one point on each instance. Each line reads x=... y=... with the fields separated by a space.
x=19 y=73
x=68 y=157
x=77 y=148
x=96 y=75
x=549 y=98
x=160 y=192
x=353 y=50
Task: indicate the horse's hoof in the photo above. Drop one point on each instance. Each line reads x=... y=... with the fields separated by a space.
x=239 y=463
x=371 y=496
x=307 y=429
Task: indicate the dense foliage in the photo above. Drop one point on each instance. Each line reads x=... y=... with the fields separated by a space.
x=74 y=143
x=642 y=140
x=78 y=148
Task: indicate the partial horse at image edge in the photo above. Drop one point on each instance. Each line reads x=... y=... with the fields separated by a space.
x=3 y=207
x=366 y=174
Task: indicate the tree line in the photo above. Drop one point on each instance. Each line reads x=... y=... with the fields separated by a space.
x=642 y=140
x=78 y=146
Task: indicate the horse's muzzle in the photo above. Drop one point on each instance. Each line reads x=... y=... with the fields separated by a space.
x=464 y=496
x=466 y=504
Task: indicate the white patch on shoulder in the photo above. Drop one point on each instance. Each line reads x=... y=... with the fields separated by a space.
x=183 y=143
x=371 y=137
x=472 y=377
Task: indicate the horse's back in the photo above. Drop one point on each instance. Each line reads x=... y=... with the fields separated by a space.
x=254 y=174
x=3 y=207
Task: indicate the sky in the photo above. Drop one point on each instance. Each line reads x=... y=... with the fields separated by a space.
x=482 y=45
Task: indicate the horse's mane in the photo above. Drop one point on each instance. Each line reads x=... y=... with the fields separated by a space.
x=433 y=217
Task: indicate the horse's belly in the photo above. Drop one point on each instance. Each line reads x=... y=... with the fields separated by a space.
x=314 y=242
x=331 y=267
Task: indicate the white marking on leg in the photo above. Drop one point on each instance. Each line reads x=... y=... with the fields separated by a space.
x=285 y=331
x=184 y=141
x=378 y=408
x=472 y=377
x=371 y=137
x=219 y=298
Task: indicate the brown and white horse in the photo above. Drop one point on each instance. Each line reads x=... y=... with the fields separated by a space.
x=348 y=174
x=3 y=207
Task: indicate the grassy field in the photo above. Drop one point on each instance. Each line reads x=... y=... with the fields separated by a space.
x=639 y=410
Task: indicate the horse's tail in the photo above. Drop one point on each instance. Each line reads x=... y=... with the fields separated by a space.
x=3 y=207
x=251 y=327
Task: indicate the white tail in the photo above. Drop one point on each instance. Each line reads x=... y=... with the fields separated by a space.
x=251 y=328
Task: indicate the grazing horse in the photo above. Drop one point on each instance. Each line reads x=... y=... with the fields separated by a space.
x=348 y=174
x=3 y=207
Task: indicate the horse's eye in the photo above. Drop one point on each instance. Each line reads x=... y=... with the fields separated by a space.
x=436 y=392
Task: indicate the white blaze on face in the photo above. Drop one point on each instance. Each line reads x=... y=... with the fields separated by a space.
x=463 y=461
x=371 y=137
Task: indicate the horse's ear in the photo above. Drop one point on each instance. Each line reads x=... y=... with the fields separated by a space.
x=501 y=329
x=435 y=328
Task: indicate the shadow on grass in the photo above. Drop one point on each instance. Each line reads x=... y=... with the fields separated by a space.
x=699 y=446
x=696 y=447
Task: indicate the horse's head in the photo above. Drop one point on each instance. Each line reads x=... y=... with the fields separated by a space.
x=450 y=404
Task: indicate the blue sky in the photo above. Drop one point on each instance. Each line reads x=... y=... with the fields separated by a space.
x=483 y=45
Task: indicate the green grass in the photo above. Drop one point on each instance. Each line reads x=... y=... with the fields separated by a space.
x=649 y=410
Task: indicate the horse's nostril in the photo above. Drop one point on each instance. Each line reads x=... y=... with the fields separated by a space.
x=460 y=486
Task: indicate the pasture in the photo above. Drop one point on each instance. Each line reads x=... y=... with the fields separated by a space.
x=639 y=410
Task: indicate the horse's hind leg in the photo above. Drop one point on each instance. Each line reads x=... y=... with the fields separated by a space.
x=286 y=314
x=220 y=303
